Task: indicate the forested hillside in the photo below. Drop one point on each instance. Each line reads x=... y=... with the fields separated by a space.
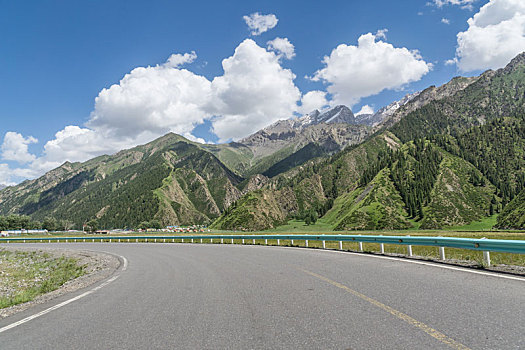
x=447 y=156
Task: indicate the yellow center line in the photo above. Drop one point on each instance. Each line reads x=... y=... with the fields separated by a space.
x=425 y=328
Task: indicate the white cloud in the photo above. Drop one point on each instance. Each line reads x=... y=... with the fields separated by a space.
x=254 y=92
x=381 y=34
x=176 y=60
x=6 y=175
x=366 y=109
x=260 y=23
x=495 y=35
x=11 y=176
x=354 y=72
x=283 y=47
x=466 y=4
x=153 y=100
x=445 y=20
x=451 y=62
x=15 y=147
x=312 y=100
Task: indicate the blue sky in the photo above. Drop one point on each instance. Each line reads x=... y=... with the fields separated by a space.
x=56 y=57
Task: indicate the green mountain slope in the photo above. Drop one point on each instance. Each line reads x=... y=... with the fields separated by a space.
x=513 y=216
x=170 y=179
x=258 y=210
x=310 y=186
x=376 y=206
x=457 y=197
x=494 y=94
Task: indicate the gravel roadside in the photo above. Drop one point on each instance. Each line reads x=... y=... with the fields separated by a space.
x=97 y=266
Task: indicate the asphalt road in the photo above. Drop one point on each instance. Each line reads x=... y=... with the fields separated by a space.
x=183 y=296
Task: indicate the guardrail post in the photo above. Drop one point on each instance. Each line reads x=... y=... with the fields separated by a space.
x=183 y=240
x=442 y=253
x=266 y=241
x=382 y=247
x=222 y=240
x=324 y=244
x=306 y=243
x=254 y=241
x=164 y=240
x=278 y=241
x=243 y=241
x=409 y=248
x=201 y=240
x=232 y=240
x=192 y=240
x=360 y=246
x=340 y=245
x=291 y=242
x=486 y=256
x=211 y=240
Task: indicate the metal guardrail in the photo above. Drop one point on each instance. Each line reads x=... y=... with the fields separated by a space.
x=485 y=245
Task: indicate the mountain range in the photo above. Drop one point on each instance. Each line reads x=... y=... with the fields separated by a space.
x=445 y=156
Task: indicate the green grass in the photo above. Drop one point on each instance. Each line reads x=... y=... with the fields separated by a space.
x=485 y=224
x=25 y=275
x=299 y=226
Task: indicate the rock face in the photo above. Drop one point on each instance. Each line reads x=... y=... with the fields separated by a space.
x=331 y=130
x=396 y=111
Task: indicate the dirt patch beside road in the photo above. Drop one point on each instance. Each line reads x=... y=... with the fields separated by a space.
x=97 y=266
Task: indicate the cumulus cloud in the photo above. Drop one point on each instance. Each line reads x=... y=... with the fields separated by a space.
x=445 y=20
x=6 y=175
x=254 y=92
x=260 y=23
x=11 y=176
x=313 y=100
x=176 y=60
x=15 y=147
x=366 y=109
x=495 y=35
x=282 y=46
x=353 y=72
x=152 y=100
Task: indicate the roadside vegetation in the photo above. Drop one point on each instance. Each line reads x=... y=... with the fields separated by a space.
x=25 y=275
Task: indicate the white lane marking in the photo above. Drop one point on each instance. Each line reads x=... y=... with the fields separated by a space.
x=463 y=269
x=125 y=267
x=58 y=306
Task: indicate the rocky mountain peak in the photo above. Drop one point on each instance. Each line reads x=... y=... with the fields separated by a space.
x=338 y=114
x=517 y=62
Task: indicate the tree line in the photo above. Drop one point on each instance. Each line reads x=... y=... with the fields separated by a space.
x=24 y=222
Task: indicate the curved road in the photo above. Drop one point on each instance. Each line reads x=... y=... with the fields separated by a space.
x=251 y=297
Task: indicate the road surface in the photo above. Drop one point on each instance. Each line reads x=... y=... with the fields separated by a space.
x=185 y=296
